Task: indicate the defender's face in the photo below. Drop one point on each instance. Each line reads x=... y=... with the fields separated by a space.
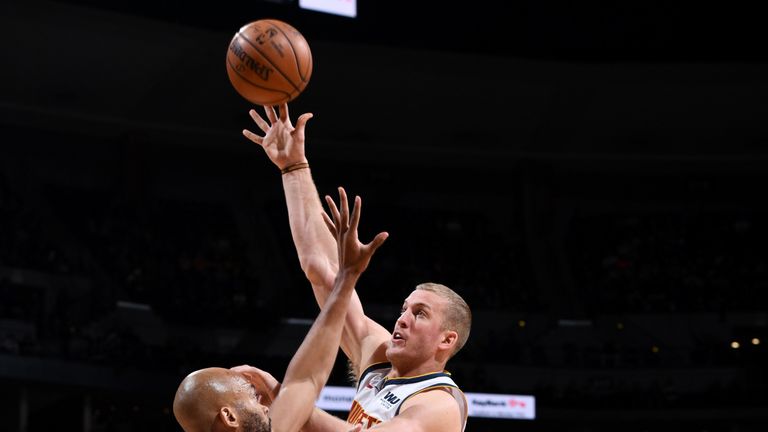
x=257 y=421
x=256 y=415
x=417 y=332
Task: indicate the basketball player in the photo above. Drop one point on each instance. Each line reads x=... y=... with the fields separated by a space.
x=403 y=386
x=217 y=399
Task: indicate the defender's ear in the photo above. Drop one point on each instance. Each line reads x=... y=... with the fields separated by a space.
x=228 y=416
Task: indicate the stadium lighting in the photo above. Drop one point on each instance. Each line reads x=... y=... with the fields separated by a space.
x=347 y=8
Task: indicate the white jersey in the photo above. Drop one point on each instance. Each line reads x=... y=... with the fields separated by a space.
x=379 y=398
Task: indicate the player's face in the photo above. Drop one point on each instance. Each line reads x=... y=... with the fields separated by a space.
x=417 y=332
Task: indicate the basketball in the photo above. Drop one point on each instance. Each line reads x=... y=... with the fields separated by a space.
x=269 y=62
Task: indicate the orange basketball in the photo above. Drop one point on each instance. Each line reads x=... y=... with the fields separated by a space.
x=269 y=62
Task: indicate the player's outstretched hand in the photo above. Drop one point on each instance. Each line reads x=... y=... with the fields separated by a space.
x=354 y=256
x=283 y=143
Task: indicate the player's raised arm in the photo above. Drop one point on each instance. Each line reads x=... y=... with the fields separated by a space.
x=316 y=248
x=284 y=145
x=311 y=365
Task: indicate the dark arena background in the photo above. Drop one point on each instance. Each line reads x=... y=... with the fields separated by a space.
x=590 y=177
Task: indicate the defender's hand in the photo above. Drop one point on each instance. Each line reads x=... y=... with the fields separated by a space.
x=354 y=256
x=266 y=385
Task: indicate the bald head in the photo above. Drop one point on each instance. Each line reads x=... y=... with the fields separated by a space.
x=213 y=399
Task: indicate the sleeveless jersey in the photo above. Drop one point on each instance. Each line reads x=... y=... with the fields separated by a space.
x=379 y=398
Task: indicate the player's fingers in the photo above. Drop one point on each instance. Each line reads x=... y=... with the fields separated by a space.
x=260 y=122
x=242 y=368
x=329 y=224
x=334 y=211
x=377 y=241
x=284 y=112
x=356 y=428
x=355 y=218
x=253 y=137
x=344 y=209
x=270 y=110
x=301 y=122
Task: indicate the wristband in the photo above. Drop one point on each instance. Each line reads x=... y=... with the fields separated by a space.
x=294 y=167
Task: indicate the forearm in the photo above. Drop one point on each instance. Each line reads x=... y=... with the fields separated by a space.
x=315 y=245
x=316 y=355
x=310 y=367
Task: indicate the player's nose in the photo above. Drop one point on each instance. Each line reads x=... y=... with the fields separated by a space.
x=402 y=321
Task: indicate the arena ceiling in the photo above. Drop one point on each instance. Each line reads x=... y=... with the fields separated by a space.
x=558 y=30
x=405 y=78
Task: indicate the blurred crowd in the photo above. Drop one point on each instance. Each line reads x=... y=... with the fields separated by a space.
x=74 y=260
x=680 y=261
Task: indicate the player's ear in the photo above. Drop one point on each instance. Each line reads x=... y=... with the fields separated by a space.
x=450 y=338
x=228 y=416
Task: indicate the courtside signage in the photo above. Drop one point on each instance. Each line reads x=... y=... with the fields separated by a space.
x=489 y=405
x=501 y=406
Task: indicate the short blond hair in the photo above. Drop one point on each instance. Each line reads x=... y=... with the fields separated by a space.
x=457 y=316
